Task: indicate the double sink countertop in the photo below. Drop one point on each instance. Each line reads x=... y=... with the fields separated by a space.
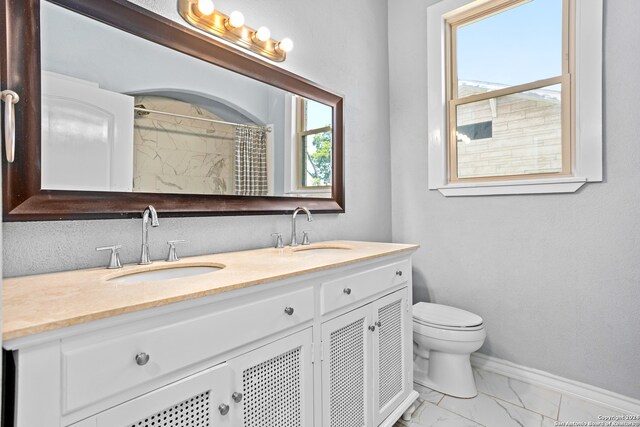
x=40 y=303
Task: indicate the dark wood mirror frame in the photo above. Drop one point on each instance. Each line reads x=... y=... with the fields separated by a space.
x=23 y=198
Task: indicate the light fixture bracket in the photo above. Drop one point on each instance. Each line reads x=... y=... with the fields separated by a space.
x=217 y=24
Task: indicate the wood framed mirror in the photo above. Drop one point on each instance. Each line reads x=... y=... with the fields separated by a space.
x=34 y=186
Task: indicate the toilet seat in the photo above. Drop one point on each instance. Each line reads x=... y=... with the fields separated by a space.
x=441 y=316
x=477 y=333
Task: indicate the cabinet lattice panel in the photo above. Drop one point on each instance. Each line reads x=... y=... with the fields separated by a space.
x=193 y=412
x=273 y=392
x=346 y=372
x=390 y=377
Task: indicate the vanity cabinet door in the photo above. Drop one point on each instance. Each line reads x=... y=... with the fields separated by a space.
x=392 y=353
x=346 y=369
x=273 y=385
x=196 y=401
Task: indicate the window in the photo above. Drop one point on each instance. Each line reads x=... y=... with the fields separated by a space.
x=313 y=144
x=507 y=81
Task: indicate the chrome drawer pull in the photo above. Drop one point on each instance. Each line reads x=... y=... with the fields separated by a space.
x=223 y=408
x=142 y=359
x=399 y=273
x=10 y=98
x=378 y=324
x=372 y=328
x=237 y=397
x=289 y=310
x=347 y=291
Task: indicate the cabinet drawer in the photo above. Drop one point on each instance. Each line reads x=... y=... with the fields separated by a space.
x=95 y=369
x=353 y=288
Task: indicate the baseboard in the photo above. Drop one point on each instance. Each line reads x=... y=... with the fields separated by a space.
x=563 y=385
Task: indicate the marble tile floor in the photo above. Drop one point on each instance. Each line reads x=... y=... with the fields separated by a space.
x=504 y=402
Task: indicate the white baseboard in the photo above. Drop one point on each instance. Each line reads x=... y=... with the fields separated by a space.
x=563 y=385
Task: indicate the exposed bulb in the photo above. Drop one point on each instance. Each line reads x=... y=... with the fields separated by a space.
x=206 y=7
x=285 y=45
x=236 y=19
x=263 y=34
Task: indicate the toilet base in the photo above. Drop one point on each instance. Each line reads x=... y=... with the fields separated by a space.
x=446 y=373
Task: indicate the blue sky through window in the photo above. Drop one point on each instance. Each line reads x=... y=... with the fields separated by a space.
x=318 y=115
x=520 y=45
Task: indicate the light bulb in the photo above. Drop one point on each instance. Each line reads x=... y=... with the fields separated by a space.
x=285 y=45
x=236 y=19
x=263 y=34
x=206 y=7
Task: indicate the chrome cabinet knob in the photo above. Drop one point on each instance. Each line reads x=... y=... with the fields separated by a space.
x=399 y=273
x=372 y=328
x=237 y=397
x=223 y=408
x=378 y=324
x=289 y=310
x=142 y=359
x=347 y=291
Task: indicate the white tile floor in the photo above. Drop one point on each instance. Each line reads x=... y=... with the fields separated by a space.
x=502 y=402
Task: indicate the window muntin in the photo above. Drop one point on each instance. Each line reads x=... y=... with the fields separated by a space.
x=315 y=144
x=478 y=101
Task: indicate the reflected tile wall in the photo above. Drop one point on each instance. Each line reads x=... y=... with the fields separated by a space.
x=177 y=155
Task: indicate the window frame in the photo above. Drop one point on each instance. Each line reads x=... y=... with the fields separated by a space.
x=581 y=82
x=300 y=151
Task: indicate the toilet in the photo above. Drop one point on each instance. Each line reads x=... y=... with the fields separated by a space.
x=443 y=339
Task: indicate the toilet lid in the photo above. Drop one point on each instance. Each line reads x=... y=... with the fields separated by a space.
x=443 y=315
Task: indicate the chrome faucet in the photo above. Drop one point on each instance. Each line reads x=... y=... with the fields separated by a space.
x=150 y=210
x=294 y=238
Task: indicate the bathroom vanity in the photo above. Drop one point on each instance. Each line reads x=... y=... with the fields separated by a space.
x=317 y=335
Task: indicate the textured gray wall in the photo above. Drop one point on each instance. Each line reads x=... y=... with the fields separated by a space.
x=556 y=277
x=348 y=59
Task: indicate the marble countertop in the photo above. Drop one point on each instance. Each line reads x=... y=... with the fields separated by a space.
x=40 y=303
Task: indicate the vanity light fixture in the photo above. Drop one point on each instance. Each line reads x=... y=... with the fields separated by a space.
x=203 y=15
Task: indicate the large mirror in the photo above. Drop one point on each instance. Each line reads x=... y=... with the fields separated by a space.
x=172 y=118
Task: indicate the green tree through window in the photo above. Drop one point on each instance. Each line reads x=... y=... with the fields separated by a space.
x=318 y=160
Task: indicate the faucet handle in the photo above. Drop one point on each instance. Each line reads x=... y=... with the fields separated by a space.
x=279 y=244
x=114 y=261
x=173 y=255
x=305 y=237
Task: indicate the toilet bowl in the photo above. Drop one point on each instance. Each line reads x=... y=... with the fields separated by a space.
x=443 y=339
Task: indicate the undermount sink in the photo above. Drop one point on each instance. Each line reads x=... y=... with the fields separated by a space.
x=322 y=249
x=166 y=274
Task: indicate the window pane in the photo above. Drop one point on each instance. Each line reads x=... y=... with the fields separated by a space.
x=517 y=134
x=519 y=45
x=317 y=115
x=316 y=161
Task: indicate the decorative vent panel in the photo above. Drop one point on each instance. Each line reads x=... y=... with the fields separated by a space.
x=273 y=392
x=346 y=371
x=192 y=412
x=390 y=352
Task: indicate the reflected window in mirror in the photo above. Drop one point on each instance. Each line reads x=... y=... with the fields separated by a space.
x=313 y=145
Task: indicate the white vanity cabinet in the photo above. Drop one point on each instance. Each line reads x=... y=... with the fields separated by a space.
x=191 y=401
x=330 y=348
x=269 y=386
x=273 y=385
x=366 y=367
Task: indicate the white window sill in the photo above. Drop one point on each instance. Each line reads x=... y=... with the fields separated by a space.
x=538 y=186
